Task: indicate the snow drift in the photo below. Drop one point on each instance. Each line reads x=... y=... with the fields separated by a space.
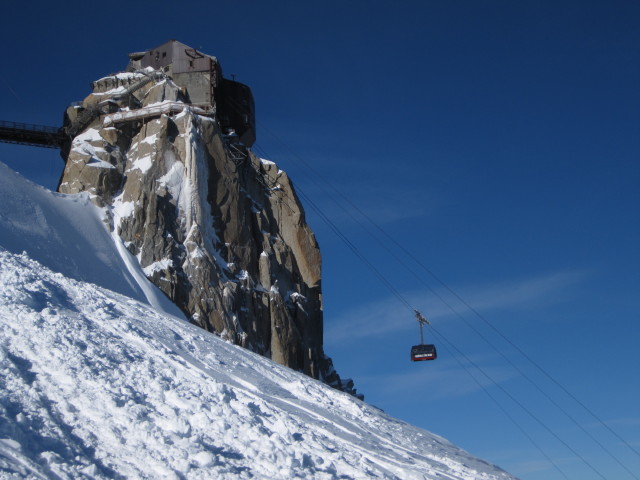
x=67 y=233
x=97 y=383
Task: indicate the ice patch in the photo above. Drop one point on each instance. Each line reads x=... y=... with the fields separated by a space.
x=297 y=297
x=173 y=179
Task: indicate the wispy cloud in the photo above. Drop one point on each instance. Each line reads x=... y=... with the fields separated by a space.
x=618 y=423
x=445 y=382
x=546 y=289
x=388 y=314
x=362 y=202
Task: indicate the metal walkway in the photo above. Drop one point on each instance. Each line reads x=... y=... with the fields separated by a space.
x=35 y=135
x=151 y=111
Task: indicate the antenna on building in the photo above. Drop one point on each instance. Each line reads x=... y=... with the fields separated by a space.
x=233 y=77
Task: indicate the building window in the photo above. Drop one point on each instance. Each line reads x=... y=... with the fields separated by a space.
x=164 y=54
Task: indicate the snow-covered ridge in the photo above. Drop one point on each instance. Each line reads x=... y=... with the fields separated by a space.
x=98 y=385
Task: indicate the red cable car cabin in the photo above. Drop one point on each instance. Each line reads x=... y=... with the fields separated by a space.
x=423 y=352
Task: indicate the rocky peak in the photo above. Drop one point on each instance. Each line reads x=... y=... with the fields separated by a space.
x=220 y=231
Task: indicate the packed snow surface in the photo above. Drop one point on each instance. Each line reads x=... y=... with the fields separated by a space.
x=96 y=383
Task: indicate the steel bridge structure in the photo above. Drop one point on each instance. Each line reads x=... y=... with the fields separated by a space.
x=34 y=135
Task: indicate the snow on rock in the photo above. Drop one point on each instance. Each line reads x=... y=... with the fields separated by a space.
x=97 y=385
x=266 y=162
x=177 y=192
x=158 y=266
x=151 y=139
x=89 y=135
x=121 y=209
x=143 y=164
x=95 y=163
x=88 y=143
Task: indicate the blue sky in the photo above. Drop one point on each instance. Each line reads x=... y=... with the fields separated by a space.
x=497 y=141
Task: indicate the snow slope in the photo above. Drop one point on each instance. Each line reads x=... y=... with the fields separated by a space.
x=66 y=233
x=96 y=383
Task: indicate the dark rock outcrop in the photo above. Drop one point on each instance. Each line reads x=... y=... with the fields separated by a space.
x=220 y=231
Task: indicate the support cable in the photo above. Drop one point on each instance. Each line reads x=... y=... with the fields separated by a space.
x=524 y=408
x=478 y=332
x=316 y=176
x=395 y=292
x=403 y=300
x=500 y=407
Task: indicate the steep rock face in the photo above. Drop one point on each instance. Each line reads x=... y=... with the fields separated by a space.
x=218 y=230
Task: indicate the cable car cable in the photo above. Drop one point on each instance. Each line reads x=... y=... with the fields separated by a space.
x=353 y=248
x=504 y=337
x=492 y=345
x=503 y=410
x=357 y=252
x=473 y=310
x=522 y=352
x=517 y=402
x=395 y=292
x=500 y=352
x=408 y=305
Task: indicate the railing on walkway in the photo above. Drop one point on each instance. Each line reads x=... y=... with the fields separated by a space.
x=29 y=134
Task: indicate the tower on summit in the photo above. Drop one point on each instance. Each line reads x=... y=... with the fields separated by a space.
x=200 y=75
